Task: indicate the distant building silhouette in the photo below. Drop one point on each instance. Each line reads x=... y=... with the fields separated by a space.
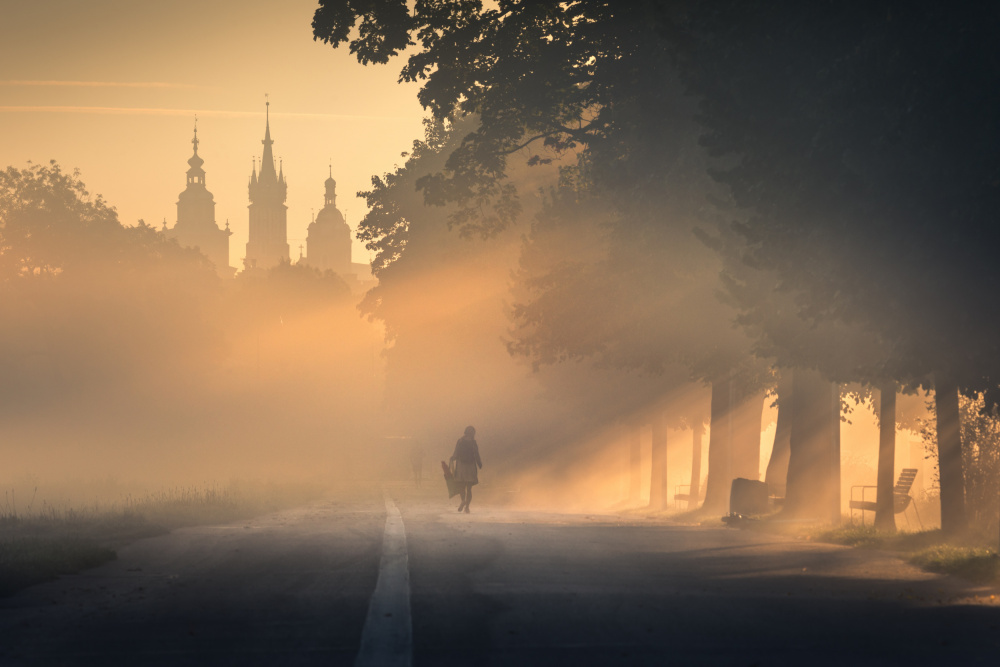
x=195 y=226
x=328 y=240
x=268 y=235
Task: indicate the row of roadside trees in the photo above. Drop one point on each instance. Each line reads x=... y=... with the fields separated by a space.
x=825 y=176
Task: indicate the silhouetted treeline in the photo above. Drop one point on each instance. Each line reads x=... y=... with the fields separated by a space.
x=89 y=303
x=114 y=339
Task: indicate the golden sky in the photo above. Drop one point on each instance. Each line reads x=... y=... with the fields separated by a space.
x=112 y=87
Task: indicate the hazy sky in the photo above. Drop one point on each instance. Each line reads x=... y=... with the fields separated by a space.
x=112 y=87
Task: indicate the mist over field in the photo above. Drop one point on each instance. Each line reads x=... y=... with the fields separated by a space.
x=132 y=367
x=131 y=375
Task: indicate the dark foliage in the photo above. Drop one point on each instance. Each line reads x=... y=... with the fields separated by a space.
x=866 y=150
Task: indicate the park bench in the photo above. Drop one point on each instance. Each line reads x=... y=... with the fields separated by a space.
x=686 y=495
x=682 y=496
x=901 y=498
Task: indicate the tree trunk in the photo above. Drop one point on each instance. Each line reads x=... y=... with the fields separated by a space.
x=697 y=433
x=719 y=463
x=953 y=520
x=834 y=501
x=885 y=514
x=777 y=466
x=634 y=463
x=734 y=441
x=658 y=474
x=746 y=435
x=813 y=483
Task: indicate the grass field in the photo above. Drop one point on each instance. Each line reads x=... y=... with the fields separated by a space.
x=38 y=545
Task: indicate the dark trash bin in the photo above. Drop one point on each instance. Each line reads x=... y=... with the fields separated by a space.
x=748 y=497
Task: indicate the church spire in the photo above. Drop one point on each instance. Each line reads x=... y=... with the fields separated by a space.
x=195 y=175
x=267 y=172
x=265 y=184
x=267 y=123
x=267 y=244
x=331 y=188
x=196 y=227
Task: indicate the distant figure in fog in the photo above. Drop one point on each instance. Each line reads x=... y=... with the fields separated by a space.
x=417 y=461
x=467 y=464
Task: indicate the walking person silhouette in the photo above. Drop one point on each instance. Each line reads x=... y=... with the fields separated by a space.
x=467 y=464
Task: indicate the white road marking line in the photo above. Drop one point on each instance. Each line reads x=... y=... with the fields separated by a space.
x=387 y=638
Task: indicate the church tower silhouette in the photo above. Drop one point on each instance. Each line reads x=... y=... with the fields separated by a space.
x=268 y=235
x=195 y=226
x=328 y=241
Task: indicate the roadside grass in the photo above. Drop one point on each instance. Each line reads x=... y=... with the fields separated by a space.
x=928 y=549
x=852 y=536
x=969 y=557
x=192 y=506
x=41 y=545
x=973 y=563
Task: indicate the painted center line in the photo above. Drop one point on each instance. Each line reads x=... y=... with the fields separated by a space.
x=387 y=638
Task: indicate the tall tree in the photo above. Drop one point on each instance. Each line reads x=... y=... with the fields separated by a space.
x=91 y=306
x=885 y=499
x=865 y=144
x=776 y=473
x=813 y=484
x=696 y=421
x=658 y=496
x=860 y=141
x=951 y=477
x=591 y=82
x=634 y=462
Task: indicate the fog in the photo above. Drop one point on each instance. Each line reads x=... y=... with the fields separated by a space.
x=567 y=297
x=131 y=366
x=125 y=358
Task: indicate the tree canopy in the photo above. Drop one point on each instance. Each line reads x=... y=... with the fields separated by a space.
x=858 y=144
x=589 y=87
x=865 y=147
x=573 y=78
x=860 y=141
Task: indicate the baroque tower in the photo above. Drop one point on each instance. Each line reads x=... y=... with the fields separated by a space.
x=195 y=226
x=268 y=240
x=328 y=243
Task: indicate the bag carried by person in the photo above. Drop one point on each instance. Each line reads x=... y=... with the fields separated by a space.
x=454 y=486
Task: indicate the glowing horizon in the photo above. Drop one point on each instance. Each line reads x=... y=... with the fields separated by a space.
x=103 y=95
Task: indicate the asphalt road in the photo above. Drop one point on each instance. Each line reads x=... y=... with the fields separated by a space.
x=498 y=587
